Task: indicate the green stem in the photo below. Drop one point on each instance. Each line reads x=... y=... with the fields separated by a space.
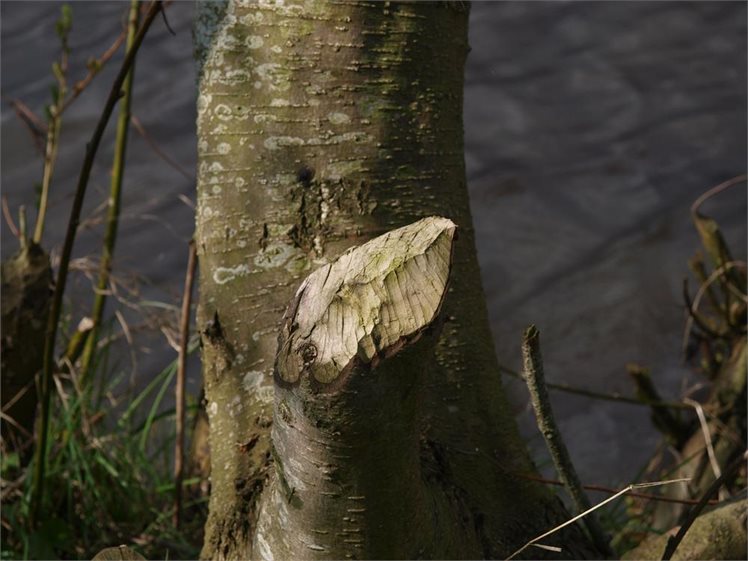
x=115 y=196
x=40 y=459
x=535 y=379
x=50 y=157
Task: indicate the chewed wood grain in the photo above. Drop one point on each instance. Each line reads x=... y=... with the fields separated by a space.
x=370 y=300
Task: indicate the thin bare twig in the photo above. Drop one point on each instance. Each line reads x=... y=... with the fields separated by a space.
x=26 y=114
x=10 y=420
x=94 y=67
x=600 y=395
x=26 y=387
x=535 y=379
x=154 y=146
x=166 y=23
x=611 y=490
x=184 y=336
x=186 y=200
x=36 y=127
x=674 y=541
x=9 y=217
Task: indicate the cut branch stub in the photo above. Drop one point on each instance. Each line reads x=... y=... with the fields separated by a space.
x=346 y=446
x=367 y=304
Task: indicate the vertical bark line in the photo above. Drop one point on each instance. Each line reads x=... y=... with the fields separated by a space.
x=320 y=126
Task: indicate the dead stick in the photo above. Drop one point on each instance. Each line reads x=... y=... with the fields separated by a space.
x=184 y=335
x=535 y=379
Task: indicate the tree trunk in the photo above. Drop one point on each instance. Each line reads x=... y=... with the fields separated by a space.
x=320 y=126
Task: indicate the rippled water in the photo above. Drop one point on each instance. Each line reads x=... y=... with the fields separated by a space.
x=590 y=128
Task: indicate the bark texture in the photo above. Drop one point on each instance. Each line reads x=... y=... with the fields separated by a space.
x=322 y=125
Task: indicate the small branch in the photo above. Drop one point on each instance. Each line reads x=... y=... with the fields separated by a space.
x=37 y=487
x=600 y=395
x=36 y=127
x=674 y=541
x=166 y=22
x=611 y=490
x=160 y=153
x=534 y=377
x=184 y=335
x=94 y=67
